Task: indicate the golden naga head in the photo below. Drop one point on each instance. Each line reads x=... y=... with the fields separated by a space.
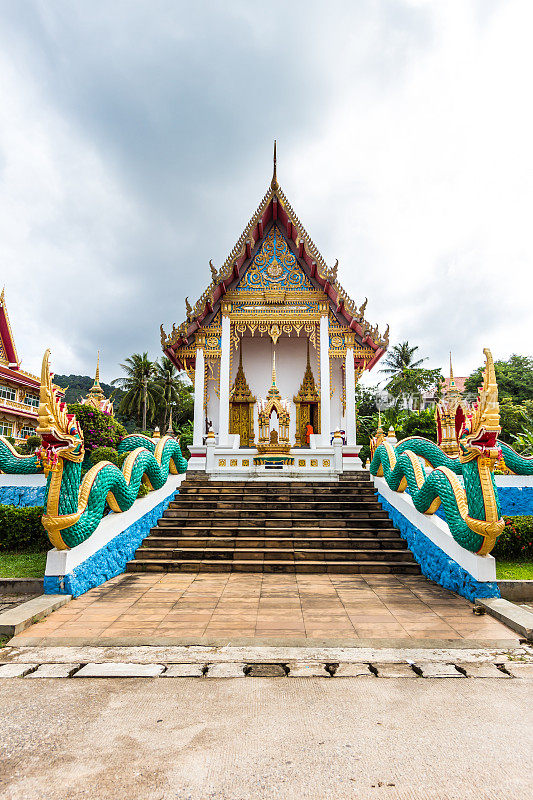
x=59 y=430
x=479 y=436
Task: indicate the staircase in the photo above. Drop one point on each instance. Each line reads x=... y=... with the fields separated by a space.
x=304 y=527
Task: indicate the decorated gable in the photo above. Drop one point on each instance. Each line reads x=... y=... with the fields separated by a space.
x=275 y=267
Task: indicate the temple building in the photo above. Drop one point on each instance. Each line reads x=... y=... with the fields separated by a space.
x=275 y=348
x=96 y=396
x=19 y=390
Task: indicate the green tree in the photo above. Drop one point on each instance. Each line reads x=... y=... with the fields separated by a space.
x=399 y=358
x=141 y=391
x=412 y=382
x=407 y=378
x=514 y=377
x=171 y=384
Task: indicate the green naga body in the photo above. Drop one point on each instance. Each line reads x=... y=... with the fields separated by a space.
x=464 y=485
x=467 y=505
x=520 y=465
x=75 y=507
x=13 y=463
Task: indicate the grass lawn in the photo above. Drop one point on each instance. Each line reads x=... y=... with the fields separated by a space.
x=22 y=565
x=514 y=570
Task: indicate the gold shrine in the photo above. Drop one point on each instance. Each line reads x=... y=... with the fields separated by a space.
x=273 y=445
x=450 y=413
x=307 y=403
x=242 y=404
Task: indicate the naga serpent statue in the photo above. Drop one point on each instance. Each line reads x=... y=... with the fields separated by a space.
x=13 y=463
x=471 y=506
x=75 y=507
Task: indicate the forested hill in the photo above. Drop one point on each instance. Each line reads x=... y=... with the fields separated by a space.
x=79 y=385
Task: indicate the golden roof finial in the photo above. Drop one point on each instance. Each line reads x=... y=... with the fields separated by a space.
x=274 y=368
x=2 y=294
x=452 y=379
x=96 y=390
x=274 y=182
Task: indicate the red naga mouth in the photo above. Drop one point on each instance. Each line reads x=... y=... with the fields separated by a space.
x=485 y=441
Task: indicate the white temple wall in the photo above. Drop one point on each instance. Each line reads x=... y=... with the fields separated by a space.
x=291 y=357
x=212 y=396
x=337 y=418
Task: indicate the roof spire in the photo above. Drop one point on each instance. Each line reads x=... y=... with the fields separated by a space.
x=96 y=390
x=274 y=368
x=452 y=379
x=274 y=182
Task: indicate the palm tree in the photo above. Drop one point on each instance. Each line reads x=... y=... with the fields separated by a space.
x=169 y=382
x=141 y=390
x=400 y=358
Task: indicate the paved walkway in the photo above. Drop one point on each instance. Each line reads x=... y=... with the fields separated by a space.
x=270 y=739
x=236 y=607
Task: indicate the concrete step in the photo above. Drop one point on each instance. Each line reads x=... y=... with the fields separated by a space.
x=279 y=505
x=246 y=565
x=271 y=554
x=340 y=542
x=247 y=523
x=307 y=514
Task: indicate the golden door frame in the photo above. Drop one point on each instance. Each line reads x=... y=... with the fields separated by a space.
x=306 y=401
x=241 y=408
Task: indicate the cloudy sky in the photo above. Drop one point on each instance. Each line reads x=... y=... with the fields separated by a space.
x=136 y=142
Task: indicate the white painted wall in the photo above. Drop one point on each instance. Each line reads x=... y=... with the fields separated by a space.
x=291 y=356
x=61 y=562
x=37 y=479
x=482 y=568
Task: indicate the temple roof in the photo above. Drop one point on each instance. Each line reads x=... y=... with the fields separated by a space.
x=276 y=209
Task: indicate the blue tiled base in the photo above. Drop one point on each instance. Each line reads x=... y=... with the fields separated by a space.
x=434 y=562
x=108 y=562
x=513 y=501
x=516 y=501
x=22 y=495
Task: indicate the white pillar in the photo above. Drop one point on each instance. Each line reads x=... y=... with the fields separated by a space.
x=223 y=414
x=325 y=396
x=199 y=378
x=350 y=396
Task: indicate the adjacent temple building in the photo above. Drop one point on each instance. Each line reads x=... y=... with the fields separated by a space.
x=19 y=390
x=274 y=347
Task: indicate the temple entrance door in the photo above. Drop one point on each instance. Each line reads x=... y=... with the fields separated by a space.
x=240 y=421
x=308 y=414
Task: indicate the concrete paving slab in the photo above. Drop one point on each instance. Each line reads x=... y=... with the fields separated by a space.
x=110 y=670
x=330 y=619
x=266 y=671
x=353 y=670
x=395 y=670
x=17 y=619
x=519 y=669
x=227 y=670
x=16 y=670
x=260 y=654
x=184 y=671
x=481 y=670
x=515 y=617
x=436 y=670
x=54 y=671
x=308 y=669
